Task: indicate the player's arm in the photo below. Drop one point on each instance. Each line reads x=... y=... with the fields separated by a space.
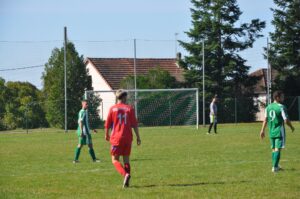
x=80 y=122
x=286 y=119
x=262 y=131
x=288 y=122
x=107 y=136
x=134 y=125
x=138 y=138
x=108 y=124
x=265 y=122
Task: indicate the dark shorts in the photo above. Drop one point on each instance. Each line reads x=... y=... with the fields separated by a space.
x=123 y=149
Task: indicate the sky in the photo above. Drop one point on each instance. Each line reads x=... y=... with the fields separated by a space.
x=31 y=29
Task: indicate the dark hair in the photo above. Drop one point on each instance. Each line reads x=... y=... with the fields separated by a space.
x=215 y=96
x=84 y=100
x=122 y=96
x=277 y=94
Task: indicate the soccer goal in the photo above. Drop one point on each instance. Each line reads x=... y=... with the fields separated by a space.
x=153 y=107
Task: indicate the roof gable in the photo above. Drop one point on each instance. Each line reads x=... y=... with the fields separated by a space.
x=114 y=70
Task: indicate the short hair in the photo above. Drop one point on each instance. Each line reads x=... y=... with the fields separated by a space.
x=121 y=93
x=84 y=100
x=215 y=96
x=277 y=94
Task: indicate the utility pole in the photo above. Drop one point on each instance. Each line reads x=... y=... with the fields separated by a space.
x=65 y=70
x=203 y=83
x=134 y=65
x=176 y=34
x=269 y=76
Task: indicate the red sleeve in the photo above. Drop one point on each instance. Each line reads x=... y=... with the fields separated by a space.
x=133 y=119
x=108 y=121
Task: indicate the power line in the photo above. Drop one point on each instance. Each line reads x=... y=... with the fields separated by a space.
x=22 y=68
x=30 y=41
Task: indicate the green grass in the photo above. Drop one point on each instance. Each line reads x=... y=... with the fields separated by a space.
x=171 y=163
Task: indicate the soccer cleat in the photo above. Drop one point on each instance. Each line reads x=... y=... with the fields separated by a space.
x=275 y=169
x=75 y=161
x=208 y=133
x=126 y=180
x=96 y=160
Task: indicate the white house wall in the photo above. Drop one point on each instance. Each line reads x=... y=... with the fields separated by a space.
x=99 y=83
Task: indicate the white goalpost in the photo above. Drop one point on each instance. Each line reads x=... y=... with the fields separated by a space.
x=153 y=107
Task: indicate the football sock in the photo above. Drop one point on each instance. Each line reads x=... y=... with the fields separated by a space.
x=276 y=157
x=209 y=129
x=127 y=167
x=119 y=168
x=77 y=153
x=215 y=127
x=92 y=153
x=273 y=158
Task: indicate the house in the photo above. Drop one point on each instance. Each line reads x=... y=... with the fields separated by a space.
x=260 y=90
x=107 y=74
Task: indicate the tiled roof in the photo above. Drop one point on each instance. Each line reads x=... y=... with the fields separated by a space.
x=261 y=85
x=114 y=70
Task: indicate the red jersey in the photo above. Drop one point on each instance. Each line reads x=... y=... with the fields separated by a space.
x=121 y=118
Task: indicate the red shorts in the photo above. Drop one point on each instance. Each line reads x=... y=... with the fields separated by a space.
x=123 y=149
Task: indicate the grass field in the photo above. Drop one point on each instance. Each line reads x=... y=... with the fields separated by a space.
x=171 y=163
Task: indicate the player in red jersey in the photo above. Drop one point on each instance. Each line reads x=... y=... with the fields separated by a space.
x=121 y=119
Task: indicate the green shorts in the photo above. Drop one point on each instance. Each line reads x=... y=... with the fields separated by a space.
x=277 y=143
x=85 y=140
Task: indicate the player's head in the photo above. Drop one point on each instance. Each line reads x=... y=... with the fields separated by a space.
x=84 y=104
x=121 y=95
x=278 y=96
x=215 y=98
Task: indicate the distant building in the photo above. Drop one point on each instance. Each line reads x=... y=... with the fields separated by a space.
x=260 y=89
x=107 y=74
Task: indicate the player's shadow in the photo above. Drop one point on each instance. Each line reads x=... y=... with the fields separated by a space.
x=192 y=184
x=207 y=183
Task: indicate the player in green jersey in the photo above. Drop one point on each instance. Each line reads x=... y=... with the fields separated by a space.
x=276 y=116
x=83 y=132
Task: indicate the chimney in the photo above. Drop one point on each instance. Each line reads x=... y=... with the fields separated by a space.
x=178 y=56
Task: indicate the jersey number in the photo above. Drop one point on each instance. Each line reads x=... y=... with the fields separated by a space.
x=272 y=114
x=122 y=117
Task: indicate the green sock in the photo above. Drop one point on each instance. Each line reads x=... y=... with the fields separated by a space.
x=276 y=157
x=92 y=153
x=77 y=153
x=273 y=159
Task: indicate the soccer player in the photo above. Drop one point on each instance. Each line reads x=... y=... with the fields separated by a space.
x=83 y=132
x=275 y=117
x=213 y=114
x=121 y=119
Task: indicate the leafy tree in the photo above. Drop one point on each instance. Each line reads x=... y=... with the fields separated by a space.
x=214 y=22
x=77 y=81
x=156 y=78
x=3 y=99
x=284 y=54
x=23 y=108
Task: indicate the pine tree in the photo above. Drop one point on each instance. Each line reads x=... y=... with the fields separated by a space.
x=77 y=82
x=284 y=53
x=215 y=23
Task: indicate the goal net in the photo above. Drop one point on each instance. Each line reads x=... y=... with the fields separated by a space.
x=153 y=107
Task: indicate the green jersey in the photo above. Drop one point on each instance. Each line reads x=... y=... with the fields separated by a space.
x=276 y=114
x=83 y=117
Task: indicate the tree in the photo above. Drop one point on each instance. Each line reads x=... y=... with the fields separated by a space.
x=3 y=100
x=156 y=78
x=77 y=81
x=284 y=53
x=23 y=109
x=214 y=22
